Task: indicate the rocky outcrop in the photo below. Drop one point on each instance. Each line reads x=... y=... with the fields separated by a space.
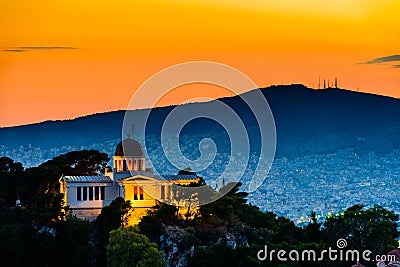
x=179 y=243
x=175 y=252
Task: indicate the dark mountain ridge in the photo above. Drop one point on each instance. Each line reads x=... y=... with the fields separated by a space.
x=307 y=121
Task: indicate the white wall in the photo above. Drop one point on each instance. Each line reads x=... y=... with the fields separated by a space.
x=111 y=192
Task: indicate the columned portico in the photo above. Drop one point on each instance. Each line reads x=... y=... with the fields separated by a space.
x=128 y=178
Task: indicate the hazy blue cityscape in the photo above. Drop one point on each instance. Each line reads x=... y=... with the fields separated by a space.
x=324 y=183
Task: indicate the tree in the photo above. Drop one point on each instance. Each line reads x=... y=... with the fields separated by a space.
x=228 y=208
x=164 y=213
x=45 y=177
x=127 y=247
x=151 y=227
x=215 y=255
x=374 y=228
x=116 y=214
x=38 y=233
x=47 y=208
x=9 y=166
x=25 y=245
x=313 y=230
x=74 y=236
x=11 y=185
x=111 y=217
x=85 y=162
x=186 y=197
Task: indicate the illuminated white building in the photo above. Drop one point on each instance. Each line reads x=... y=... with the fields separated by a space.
x=128 y=178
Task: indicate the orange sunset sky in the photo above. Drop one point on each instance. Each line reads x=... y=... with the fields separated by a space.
x=61 y=59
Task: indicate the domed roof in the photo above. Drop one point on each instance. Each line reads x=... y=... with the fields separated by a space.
x=129 y=148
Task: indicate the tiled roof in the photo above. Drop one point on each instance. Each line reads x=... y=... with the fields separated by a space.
x=88 y=179
x=179 y=177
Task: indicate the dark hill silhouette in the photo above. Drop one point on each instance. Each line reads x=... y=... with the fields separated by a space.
x=307 y=121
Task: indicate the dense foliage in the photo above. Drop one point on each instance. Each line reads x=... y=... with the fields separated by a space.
x=127 y=247
x=39 y=232
x=225 y=232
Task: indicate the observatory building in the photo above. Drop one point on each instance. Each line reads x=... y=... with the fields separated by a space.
x=129 y=178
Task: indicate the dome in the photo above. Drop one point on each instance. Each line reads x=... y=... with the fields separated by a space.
x=129 y=148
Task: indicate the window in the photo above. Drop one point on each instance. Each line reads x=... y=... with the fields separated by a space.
x=130 y=165
x=78 y=193
x=138 y=195
x=163 y=192
x=103 y=192
x=90 y=192
x=141 y=193
x=143 y=165
x=135 y=165
x=84 y=192
x=97 y=193
x=135 y=193
x=124 y=165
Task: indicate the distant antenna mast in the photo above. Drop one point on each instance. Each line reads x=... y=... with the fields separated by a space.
x=324 y=84
x=336 y=84
x=319 y=82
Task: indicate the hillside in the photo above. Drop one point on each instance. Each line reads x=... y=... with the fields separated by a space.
x=307 y=121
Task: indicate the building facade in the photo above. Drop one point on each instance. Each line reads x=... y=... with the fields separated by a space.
x=129 y=178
